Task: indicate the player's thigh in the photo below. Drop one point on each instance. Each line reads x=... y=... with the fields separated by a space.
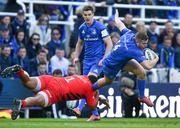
x=134 y=67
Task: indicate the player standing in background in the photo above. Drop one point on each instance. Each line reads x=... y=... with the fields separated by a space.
x=128 y=54
x=96 y=40
x=50 y=89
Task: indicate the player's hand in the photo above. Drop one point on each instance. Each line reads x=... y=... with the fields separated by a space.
x=100 y=62
x=75 y=61
x=116 y=19
x=155 y=55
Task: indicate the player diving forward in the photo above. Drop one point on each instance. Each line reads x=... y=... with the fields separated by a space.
x=50 y=90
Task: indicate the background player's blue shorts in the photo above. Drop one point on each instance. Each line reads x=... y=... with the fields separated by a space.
x=91 y=67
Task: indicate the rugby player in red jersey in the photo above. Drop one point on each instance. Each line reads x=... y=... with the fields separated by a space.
x=50 y=89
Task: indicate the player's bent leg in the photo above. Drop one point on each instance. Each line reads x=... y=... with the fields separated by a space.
x=38 y=100
x=101 y=83
x=136 y=68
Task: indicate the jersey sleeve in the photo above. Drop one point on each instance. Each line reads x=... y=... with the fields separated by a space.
x=125 y=30
x=80 y=33
x=103 y=31
x=139 y=56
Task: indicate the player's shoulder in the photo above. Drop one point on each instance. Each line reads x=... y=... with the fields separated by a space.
x=83 y=25
x=99 y=25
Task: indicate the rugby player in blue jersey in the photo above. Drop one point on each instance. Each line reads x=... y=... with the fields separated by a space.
x=97 y=42
x=128 y=54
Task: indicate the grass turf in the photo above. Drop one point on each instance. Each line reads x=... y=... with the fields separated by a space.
x=82 y=123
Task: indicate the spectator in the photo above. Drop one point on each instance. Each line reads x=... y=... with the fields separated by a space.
x=22 y=59
x=5 y=38
x=153 y=44
x=111 y=25
x=20 y=23
x=5 y=58
x=115 y=37
x=57 y=73
x=74 y=34
x=167 y=53
x=151 y=32
x=41 y=69
x=140 y=26
x=128 y=20
x=6 y=20
x=71 y=58
x=19 y=40
x=168 y=31
x=40 y=57
x=177 y=49
x=33 y=45
x=129 y=94
x=72 y=70
x=43 y=29
x=59 y=61
x=55 y=41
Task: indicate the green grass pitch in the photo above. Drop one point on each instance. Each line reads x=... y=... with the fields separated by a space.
x=82 y=123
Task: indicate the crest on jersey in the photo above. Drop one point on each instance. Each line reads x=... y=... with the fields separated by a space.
x=83 y=32
x=96 y=71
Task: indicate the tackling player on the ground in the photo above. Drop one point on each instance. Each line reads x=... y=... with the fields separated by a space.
x=128 y=54
x=50 y=89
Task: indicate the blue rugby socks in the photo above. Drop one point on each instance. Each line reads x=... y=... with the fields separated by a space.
x=96 y=86
x=95 y=112
x=141 y=86
x=82 y=103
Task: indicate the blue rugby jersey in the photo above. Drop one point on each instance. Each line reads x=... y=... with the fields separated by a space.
x=123 y=51
x=93 y=40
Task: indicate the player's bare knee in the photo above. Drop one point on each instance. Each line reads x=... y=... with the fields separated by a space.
x=108 y=81
x=40 y=100
x=141 y=74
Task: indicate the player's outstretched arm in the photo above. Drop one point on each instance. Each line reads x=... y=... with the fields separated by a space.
x=118 y=22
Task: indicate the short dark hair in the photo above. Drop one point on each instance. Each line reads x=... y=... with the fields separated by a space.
x=57 y=72
x=153 y=22
x=42 y=63
x=142 y=36
x=88 y=7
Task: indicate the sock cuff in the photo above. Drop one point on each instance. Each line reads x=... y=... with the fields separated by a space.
x=21 y=73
